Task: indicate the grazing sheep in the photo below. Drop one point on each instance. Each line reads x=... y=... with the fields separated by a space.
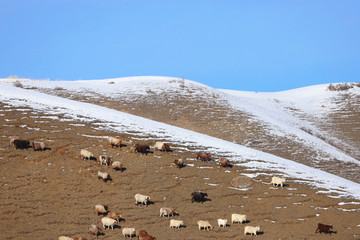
x=165 y=211
x=176 y=223
x=65 y=238
x=224 y=162
x=140 y=198
x=39 y=146
x=143 y=235
x=162 y=146
x=104 y=160
x=104 y=176
x=205 y=225
x=202 y=155
x=251 y=230
x=109 y=222
x=117 y=166
x=222 y=222
x=115 y=142
x=128 y=232
x=141 y=148
x=85 y=154
x=324 y=228
x=113 y=215
x=198 y=197
x=101 y=209
x=278 y=181
x=21 y=144
x=13 y=138
x=179 y=162
x=95 y=230
x=238 y=218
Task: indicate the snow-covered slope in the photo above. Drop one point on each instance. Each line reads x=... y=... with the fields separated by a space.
x=114 y=120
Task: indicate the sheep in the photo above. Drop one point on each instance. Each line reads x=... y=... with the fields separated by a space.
x=101 y=209
x=80 y=238
x=176 y=223
x=104 y=176
x=115 y=142
x=21 y=144
x=179 y=162
x=162 y=146
x=85 y=154
x=143 y=235
x=140 y=198
x=222 y=222
x=251 y=230
x=323 y=228
x=205 y=225
x=198 y=197
x=39 y=146
x=104 y=160
x=117 y=166
x=109 y=222
x=95 y=230
x=65 y=238
x=202 y=155
x=278 y=181
x=165 y=211
x=224 y=162
x=13 y=138
x=238 y=218
x=116 y=216
x=141 y=148
x=128 y=232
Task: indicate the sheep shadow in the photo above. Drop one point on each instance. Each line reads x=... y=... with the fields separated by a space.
x=227 y=166
x=145 y=152
x=148 y=203
x=120 y=169
x=206 y=160
x=117 y=226
x=202 y=200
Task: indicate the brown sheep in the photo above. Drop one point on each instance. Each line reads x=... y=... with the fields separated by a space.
x=224 y=162
x=95 y=230
x=324 y=228
x=202 y=155
x=179 y=163
x=141 y=148
x=143 y=235
x=116 y=216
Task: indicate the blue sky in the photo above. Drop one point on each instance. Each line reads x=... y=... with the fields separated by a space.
x=231 y=44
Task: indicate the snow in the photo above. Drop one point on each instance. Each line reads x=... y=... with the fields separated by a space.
x=255 y=160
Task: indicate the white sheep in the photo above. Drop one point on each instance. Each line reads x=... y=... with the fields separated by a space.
x=161 y=146
x=278 y=181
x=128 y=232
x=222 y=222
x=140 y=198
x=205 y=225
x=117 y=165
x=251 y=230
x=176 y=223
x=109 y=222
x=101 y=209
x=65 y=238
x=85 y=154
x=117 y=142
x=104 y=176
x=238 y=218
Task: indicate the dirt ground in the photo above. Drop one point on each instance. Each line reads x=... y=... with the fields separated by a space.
x=52 y=193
